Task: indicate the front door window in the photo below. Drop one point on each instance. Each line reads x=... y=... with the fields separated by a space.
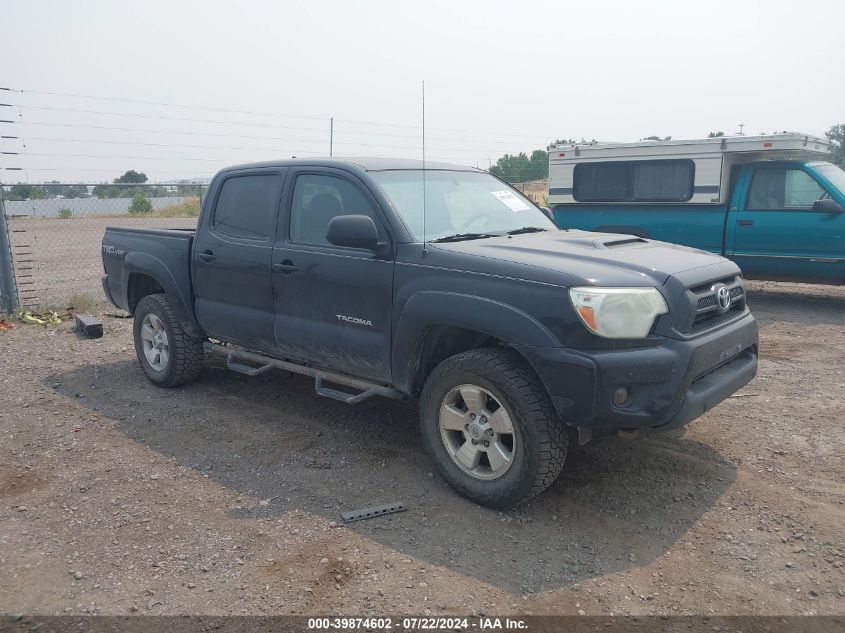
x=780 y=188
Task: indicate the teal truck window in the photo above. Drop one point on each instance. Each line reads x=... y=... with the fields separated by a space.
x=783 y=188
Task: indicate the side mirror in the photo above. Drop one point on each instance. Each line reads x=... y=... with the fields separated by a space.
x=548 y=212
x=353 y=231
x=827 y=205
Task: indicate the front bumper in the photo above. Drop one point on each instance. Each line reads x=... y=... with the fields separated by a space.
x=669 y=383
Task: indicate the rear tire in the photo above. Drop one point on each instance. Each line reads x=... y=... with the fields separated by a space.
x=510 y=444
x=167 y=354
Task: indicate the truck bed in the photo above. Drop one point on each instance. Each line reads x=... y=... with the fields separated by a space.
x=127 y=250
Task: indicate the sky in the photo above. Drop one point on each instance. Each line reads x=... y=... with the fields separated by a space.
x=257 y=80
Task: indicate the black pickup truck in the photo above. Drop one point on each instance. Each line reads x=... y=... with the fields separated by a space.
x=379 y=277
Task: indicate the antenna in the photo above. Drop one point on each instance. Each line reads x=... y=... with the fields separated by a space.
x=423 y=162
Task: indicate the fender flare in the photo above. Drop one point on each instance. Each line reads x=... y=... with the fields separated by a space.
x=426 y=309
x=146 y=264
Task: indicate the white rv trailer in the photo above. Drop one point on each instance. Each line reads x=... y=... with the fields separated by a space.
x=713 y=158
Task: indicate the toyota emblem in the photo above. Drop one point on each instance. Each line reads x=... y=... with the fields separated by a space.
x=723 y=296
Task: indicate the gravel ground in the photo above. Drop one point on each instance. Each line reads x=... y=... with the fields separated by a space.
x=223 y=497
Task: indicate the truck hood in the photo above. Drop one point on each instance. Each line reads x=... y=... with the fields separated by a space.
x=593 y=258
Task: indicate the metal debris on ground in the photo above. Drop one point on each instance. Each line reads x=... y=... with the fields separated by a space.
x=89 y=325
x=373 y=511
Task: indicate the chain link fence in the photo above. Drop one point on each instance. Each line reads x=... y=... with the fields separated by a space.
x=55 y=232
x=536 y=190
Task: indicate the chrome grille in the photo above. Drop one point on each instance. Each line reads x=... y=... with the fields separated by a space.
x=706 y=312
x=710 y=300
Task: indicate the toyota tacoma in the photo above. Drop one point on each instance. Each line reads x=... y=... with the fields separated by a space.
x=444 y=284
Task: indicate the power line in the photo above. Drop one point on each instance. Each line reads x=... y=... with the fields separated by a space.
x=158 y=116
x=446 y=129
x=180 y=132
x=163 y=104
x=95 y=141
x=192 y=120
x=316 y=155
x=267 y=149
x=99 y=171
x=270 y=114
x=262 y=137
x=173 y=158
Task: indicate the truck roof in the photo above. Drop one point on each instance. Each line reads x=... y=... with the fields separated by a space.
x=374 y=163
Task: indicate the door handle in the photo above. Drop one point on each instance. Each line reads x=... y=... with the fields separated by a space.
x=285 y=266
x=207 y=256
x=746 y=222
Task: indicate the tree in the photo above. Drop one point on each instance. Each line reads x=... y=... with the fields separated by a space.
x=76 y=191
x=836 y=135
x=132 y=177
x=657 y=138
x=521 y=167
x=140 y=204
x=109 y=191
x=53 y=189
x=716 y=134
x=26 y=192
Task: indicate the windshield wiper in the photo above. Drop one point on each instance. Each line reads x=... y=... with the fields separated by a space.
x=527 y=229
x=459 y=237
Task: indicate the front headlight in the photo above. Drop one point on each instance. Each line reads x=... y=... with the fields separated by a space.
x=618 y=312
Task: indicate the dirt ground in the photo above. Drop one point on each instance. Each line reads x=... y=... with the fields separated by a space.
x=223 y=497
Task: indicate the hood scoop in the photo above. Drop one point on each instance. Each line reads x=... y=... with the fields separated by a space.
x=619 y=242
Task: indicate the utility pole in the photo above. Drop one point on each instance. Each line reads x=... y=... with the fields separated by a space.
x=331 y=137
x=8 y=287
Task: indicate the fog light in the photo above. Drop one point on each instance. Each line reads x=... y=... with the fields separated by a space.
x=620 y=396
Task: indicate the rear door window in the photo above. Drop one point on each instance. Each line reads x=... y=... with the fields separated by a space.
x=246 y=206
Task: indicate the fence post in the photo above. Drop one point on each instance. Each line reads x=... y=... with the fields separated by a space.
x=8 y=287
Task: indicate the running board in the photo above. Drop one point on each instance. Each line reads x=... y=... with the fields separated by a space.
x=265 y=363
x=342 y=396
x=245 y=369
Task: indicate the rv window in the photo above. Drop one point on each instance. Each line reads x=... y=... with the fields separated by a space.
x=601 y=182
x=634 y=181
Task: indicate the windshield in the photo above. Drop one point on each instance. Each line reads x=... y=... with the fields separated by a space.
x=459 y=202
x=834 y=174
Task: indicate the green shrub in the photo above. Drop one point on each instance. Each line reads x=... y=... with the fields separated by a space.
x=140 y=204
x=65 y=213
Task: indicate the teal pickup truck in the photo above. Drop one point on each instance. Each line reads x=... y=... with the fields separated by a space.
x=770 y=203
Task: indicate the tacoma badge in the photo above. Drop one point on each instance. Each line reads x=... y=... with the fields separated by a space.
x=355 y=320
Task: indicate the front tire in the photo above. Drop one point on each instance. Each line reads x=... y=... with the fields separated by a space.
x=490 y=427
x=166 y=353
